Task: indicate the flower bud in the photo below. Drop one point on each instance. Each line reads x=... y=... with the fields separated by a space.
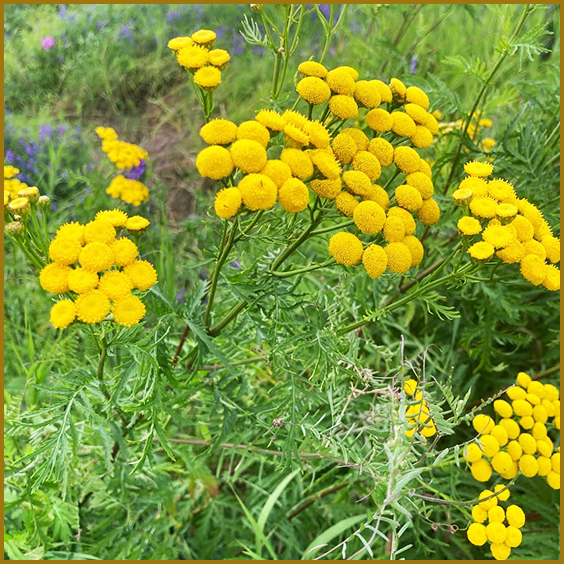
x=256 y=7
x=19 y=206
x=14 y=229
x=462 y=197
x=44 y=202
x=31 y=193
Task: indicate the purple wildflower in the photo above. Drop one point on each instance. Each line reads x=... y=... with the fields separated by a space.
x=48 y=43
x=136 y=172
x=172 y=16
x=125 y=32
x=9 y=156
x=45 y=131
x=413 y=64
x=236 y=264
x=61 y=129
x=54 y=206
x=180 y=296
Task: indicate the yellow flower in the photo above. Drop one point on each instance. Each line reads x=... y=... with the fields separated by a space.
x=374 y=260
x=475 y=168
x=506 y=211
x=19 y=206
x=382 y=150
x=481 y=470
x=125 y=251
x=500 y=190
x=528 y=443
x=476 y=534
x=295 y=118
x=311 y=68
x=477 y=185
x=277 y=171
x=204 y=36
x=499 y=236
x=326 y=188
x=357 y=182
x=408 y=197
x=92 y=307
x=515 y=516
x=53 y=278
x=346 y=248
x=429 y=213
x=318 y=135
x=555 y=460
x=343 y=107
x=394 y=230
x=142 y=274
x=472 y=453
x=99 y=231
x=488 y=503
x=399 y=257
x=340 y=81
x=192 y=58
x=416 y=113
x=524 y=228
x=215 y=162
x=313 y=90
x=81 y=280
x=349 y=70
x=483 y=207
x=298 y=161
x=106 y=133
x=326 y=163
x=553 y=480
x=258 y=192
x=219 y=132
x=29 y=192
x=384 y=90
x=219 y=58
x=503 y=408
x=128 y=311
x=539 y=429
x=369 y=217
x=344 y=148
x=431 y=124
x=137 y=223
x=469 y=226
x=527 y=422
x=367 y=94
x=514 y=538
x=488 y=144
x=552 y=247
x=248 y=155
x=271 y=120
x=379 y=120
x=502 y=462
x=415 y=248
x=116 y=218
x=406 y=217
x=96 y=257
x=533 y=269
x=208 y=78
x=255 y=131
x=10 y=171
x=358 y=136
x=415 y=95
x=483 y=424
x=115 y=285
x=346 y=203
x=402 y=124
x=481 y=251
x=504 y=492
x=179 y=43
x=552 y=279
x=64 y=251
x=479 y=515
x=496 y=514
x=398 y=88
x=500 y=551
x=496 y=532
x=366 y=162
x=407 y=159
x=462 y=197
x=62 y=314
x=293 y=195
x=422 y=137
x=489 y=445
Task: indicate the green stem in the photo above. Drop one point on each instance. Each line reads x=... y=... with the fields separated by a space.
x=332 y=228
x=235 y=311
x=291 y=248
x=31 y=255
x=526 y=11
x=328 y=33
x=286 y=274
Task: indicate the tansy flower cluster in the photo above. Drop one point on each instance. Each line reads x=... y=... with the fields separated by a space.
x=512 y=228
x=520 y=440
x=338 y=164
x=478 y=124
x=418 y=413
x=98 y=271
x=489 y=520
x=126 y=186
x=197 y=55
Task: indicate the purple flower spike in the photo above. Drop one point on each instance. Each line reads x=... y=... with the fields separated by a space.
x=413 y=64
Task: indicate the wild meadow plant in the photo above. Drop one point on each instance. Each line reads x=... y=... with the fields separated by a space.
x=327 y=188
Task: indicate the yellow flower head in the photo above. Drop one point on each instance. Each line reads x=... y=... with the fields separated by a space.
x=429 y=213
x=477 y=186
x=96 y=257
x=125 y=251
x=340 y=81
x=346 y=203
x=329 y=189
x=383 y=89
x=137 y=223
x=476 y=534
x=258 y=192
x=533 y=269
x=398 y=88
x=293 y=195
x=500 y=190
x=92 y=307
x=10 y=171
x=382 y=150
x=193 y=57
x=295 y=118
x=179 y=43
x=506 y=211
x=81 y=280
x=219 y=132
x=475 y=168
x=313 y=90
x=515 y=516
x=407 y=159
x=255 y=131
x=295 y=136
x=367 y=94
x=415 y=248
x=422 y=137
x=369 y=217
x=416 y=113
x=408 y=197
x=318 y=135
x=208 y=78
x=128 y=311
x=399 y=257
x=116 y=218
x=415 y=95
x=406 y=217
x=483 y=207
x=299 y=162
x=19 y=206
x=204 y=37
x=271 y=119
x=346 y=248
x=62 y=314
x=358 y=136
x=29 y=192
x=343 y=107
x=277 y=171
x=379 y=120
x=248 y=155
x=499 y=236
x=350 y=70
x=344 y=147
x=394 y=230
x=115 y=285
x=552 y=247
x=552 y=279
x=219 y=58
x=481 y=250
x=422 y=183
x=402 y=124
x=311 y=68
x=357 y=182
x=98 y=231
x=142 y=274
x=53 y=278
x=326 y=164
x=366 y=162
x=215 y=162
x=374 y=260
x=64 y=251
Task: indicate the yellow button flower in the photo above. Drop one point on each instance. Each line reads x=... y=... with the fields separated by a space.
x=515 y=516
x=369 y=217
x=476 y=534
x=481 y=470
x=346 y=248
x=63 y=313
x=374 y=260
x=496 y=532
x=293 y=195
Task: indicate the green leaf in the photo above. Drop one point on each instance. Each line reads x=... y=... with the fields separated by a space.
x=329 y=534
